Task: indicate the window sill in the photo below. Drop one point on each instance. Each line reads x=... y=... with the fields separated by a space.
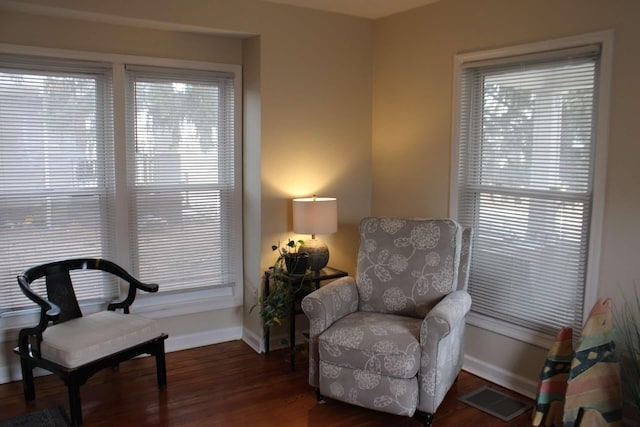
x=511 y=331
x=179 y=304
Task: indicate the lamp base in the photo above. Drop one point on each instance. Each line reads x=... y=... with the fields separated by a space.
x=318 y=253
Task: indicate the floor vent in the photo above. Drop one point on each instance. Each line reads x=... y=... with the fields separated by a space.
x=495 y=403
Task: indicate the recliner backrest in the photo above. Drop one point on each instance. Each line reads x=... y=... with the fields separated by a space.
x=406 y=265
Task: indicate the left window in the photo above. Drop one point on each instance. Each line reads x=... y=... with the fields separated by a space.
x=56 y=170
x=162 y=198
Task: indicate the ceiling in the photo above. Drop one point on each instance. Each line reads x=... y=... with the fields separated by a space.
x=372 y=9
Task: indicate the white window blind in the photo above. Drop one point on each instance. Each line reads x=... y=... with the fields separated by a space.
x=525 y=177
x=56 y=170
x=182 y=178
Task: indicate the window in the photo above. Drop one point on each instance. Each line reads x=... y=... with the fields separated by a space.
x=182 y=177
x=56 y=171
x=174 y=218
x=524 y=180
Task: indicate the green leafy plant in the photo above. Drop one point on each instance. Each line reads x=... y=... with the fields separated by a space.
x=274 y=307
x=291 y=247
x=627 y=319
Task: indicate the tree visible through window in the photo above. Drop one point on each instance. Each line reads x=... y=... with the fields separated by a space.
x=182 y=180
x=525 y=184
x=56 y=173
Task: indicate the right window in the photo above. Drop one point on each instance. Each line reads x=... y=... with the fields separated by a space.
x=524 y=181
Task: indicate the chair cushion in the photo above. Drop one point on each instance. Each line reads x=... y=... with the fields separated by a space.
x=385 y=344
x=79 y=341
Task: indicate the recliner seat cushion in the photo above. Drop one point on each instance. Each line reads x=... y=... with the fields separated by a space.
x=85 y=339
x=384 y=344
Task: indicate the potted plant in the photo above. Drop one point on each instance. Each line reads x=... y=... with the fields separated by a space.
x=295 y=261
x=286 y=278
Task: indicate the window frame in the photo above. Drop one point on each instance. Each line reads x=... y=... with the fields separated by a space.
x=178 y=302
x=605 y=40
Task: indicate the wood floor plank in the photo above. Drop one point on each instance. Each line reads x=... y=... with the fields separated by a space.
x=228 y=384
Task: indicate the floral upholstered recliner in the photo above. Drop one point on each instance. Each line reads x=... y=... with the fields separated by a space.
x=391 y=339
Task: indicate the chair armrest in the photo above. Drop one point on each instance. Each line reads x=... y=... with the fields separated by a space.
x=448 y=313
x=115 y=269
x=50 y=309
x=442 y=345
x=131 y=295
x=146 y=287
x=133 y=285
x=49 y=312
x=330 y=303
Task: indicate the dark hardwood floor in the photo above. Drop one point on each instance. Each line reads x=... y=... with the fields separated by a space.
x=227 y=385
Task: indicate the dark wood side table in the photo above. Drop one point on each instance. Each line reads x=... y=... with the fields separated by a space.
x=315 y=277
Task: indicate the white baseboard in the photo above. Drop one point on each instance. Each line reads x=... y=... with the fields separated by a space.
x=12 y=371
x=253 y=340
x=199 y=339
x=502 y=377
x=257 y=343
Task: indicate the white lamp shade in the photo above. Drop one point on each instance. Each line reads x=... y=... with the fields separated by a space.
x=315 y=215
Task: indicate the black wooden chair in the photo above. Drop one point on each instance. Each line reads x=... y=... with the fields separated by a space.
x=73 y=346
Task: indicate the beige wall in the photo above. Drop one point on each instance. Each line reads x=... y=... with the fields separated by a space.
x=412 y=105
x=64 y=33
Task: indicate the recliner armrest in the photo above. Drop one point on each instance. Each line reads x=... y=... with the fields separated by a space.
x=330 y=303
x=446 y=314
x=442 y=343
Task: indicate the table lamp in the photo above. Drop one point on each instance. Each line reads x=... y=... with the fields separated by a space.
x=315 y=215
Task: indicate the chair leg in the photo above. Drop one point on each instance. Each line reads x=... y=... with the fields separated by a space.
x=425 y=418
x=75 y=407
x=161 y=368
x=27 y=380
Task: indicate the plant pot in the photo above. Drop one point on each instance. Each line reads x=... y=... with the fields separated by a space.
x=297 y=263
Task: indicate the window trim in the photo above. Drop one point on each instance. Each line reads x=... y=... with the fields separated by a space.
x=174 y=303
x=605 y=39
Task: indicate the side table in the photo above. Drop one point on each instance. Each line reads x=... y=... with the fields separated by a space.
x=315 y=277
